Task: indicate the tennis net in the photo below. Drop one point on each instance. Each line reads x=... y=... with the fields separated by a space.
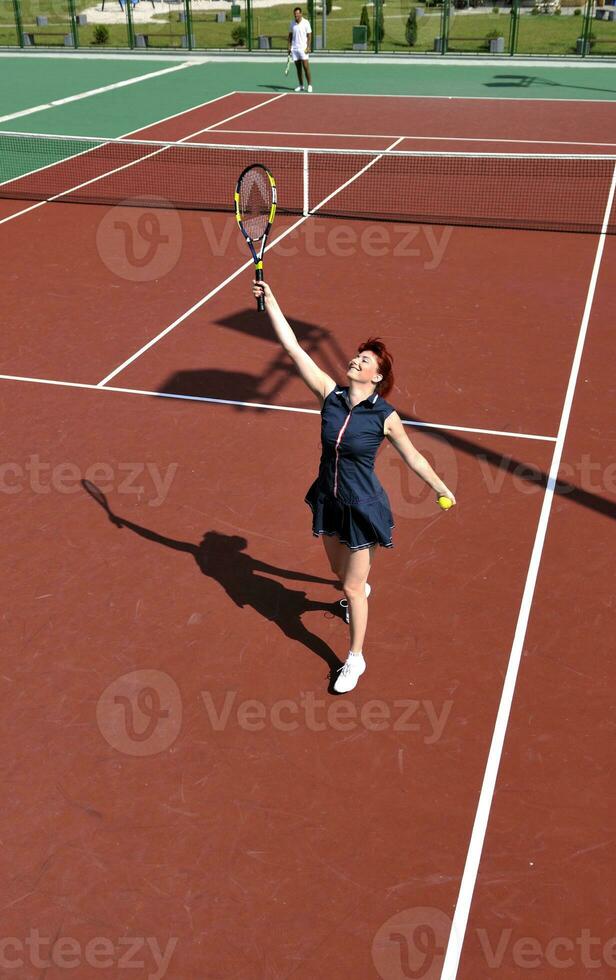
x=534 y=191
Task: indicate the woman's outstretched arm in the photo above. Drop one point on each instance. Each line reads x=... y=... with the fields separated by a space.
x=394 y=430
x=317 y=380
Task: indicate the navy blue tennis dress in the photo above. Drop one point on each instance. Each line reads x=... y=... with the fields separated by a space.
x=347 y=499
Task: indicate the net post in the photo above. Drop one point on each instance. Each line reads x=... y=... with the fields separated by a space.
x=305 y=173
x=18 y=22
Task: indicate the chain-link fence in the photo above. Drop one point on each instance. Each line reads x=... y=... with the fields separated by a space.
x=524 y=27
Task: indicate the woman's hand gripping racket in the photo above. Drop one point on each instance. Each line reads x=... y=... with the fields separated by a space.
x=255 y=209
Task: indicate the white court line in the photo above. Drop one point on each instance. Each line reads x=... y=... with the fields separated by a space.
x=261 y=405
x=95 y=91
x=448 y=98
x=473 y=858
x=246 y=265
x=125 y=166
x=383 y=136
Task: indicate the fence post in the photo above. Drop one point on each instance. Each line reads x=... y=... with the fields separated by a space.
x=513 y=26
x=249 y=24
x=445 y=27
x=377 y=5
x=188 y=21
x=73 y=19
x=312 y=13
x=129 y=24
x=19 y=27
x=587 y=27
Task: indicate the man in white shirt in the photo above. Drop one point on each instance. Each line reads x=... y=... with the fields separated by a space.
x=300 y=40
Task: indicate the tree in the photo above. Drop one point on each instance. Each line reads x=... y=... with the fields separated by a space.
x=364 y=21
x=411 y=27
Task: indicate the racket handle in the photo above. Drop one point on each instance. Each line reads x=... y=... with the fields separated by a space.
x=260 y=299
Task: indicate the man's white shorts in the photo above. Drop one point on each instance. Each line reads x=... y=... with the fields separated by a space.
x=299 y=55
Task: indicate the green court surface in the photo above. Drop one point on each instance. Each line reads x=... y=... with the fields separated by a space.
x=26 y=82
x=30 y=81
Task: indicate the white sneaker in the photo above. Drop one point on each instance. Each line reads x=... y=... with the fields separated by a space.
x=299 y=88
x=309 y=89
x=350 y=673
x=345 y=604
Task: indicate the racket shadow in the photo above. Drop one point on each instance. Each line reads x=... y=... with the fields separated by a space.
x=276 y=373
x=245 y=579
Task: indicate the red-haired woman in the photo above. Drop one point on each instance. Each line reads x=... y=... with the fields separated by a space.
x=350 y=508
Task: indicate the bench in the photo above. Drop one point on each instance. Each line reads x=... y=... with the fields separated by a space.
x=145 y=40
x=265 y=41
x=29 y=38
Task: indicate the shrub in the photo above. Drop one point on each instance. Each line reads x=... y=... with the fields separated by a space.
x=101 y=34
x=364 y=21
x=577 y=12
x=535 y=11
x=411 y=27
x=328 y=7
x=491 y=35
x=495 y=10
x=238 y=34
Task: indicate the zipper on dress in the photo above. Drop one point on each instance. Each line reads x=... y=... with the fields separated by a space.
x=338 y=441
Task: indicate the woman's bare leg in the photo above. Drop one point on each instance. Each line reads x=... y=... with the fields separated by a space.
x=337 y=555
x=354 y=585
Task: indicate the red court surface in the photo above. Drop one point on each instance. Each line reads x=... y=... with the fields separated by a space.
x=188 y=799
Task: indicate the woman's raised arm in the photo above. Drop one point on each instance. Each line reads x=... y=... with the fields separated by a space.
x=311 y=374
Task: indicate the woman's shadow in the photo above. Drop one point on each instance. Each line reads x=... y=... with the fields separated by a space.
x=224 y=558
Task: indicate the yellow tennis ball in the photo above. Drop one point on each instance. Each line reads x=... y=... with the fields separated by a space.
x=445 y=503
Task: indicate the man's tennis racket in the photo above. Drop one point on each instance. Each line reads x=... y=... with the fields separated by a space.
x=288 y=64
x=255 y=209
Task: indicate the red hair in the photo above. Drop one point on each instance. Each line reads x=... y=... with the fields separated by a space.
x=385 y=362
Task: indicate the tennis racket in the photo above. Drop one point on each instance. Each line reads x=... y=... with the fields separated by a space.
x=255 y=209
x=288 y=64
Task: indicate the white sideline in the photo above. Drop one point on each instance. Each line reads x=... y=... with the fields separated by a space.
x=246 y=265
x=469 y=876
x=95 y=91
x=109 y=173
x=261 y=405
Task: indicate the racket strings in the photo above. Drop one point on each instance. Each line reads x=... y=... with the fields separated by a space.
x=255 y=202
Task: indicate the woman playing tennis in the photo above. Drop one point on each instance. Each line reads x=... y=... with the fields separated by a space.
x=350 y=509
